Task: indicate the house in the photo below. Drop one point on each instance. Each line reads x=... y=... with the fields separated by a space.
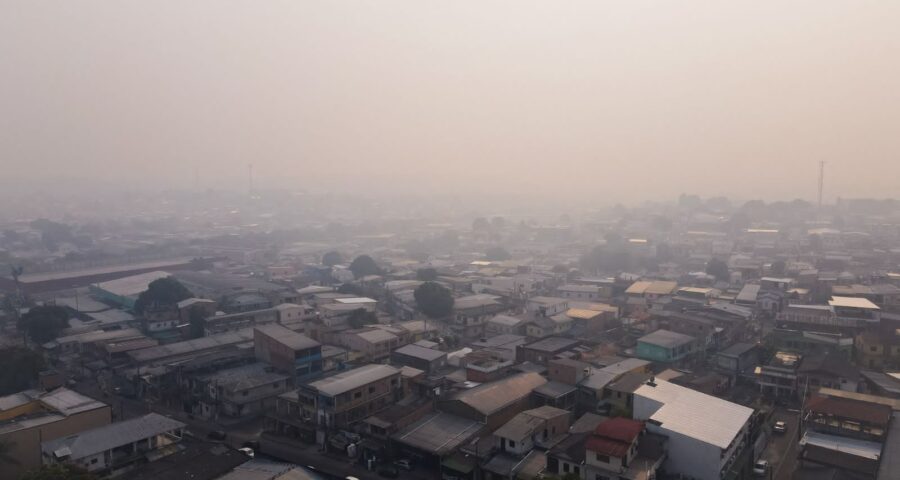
x=471 y=313
x=494 y=403
x=544 y=350
x=778 y=378
x=240 y=392
x=583 y=292
x=546 y=306
x=428 y=360
x=846 y=434
x=855 y=311
x=374 y=343
x=288 y=351
x=666 y=346
x=738 y=359
x=505 y=324
x=706 y=435
x=615 y=448
x=829 y=370
x=538 y=426
x=433 y=440
x=878 y=348
x=341 y=400
x=31 y=417
x=117 y=446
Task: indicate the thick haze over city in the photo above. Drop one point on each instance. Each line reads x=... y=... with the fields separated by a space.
x=449 y=240
x=612 y=102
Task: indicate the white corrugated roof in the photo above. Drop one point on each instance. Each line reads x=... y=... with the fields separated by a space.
x=695 y=414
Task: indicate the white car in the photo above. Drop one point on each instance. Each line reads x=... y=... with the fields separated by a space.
x=247 y=451
x=779 y=427
x=761 y=468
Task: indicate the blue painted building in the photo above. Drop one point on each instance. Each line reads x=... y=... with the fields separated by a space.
x=666 y=346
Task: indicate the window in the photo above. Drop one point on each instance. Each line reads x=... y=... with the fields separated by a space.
x=371 y=389
x=357 y=395
x=93 y=461
x=565 y=467
x=602 y=458
x=873 y=349
x=512 y=444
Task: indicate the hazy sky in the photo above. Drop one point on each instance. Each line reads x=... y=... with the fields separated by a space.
x=618 y=101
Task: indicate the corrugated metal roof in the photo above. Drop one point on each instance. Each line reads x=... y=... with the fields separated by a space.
x=351 y=379
x=105 y=438
x=490 y=397
x=694 y=414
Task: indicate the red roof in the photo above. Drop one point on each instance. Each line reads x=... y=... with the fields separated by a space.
x=614 y=436
x=872 y=413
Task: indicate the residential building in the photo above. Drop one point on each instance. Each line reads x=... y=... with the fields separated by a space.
x=666 y=346
x=341 y=400
x=116 y=447
x=494 y=403
x=505 y=325
x=31 y=417
x=428 y=360
x=544 y=350
x=778 y=378
x=288 y=351
x=374 y=343
x=240 y=392
x=706 y=435
x=536 y=427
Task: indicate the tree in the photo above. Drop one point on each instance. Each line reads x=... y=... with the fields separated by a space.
x=361 y=317
x=717 y=268
x=43 y=323
x=364 y=265
x=332 y=258
x=434 y=300
x=58 y=471
x=778 y=267
x=20 y=369
x=164 y=292
x=426 y=274
x=480 y=224
x=497 y=254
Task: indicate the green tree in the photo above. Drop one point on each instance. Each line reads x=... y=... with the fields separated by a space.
x=497 y=254
x=364 y=265
x=717 y=268
x=164 y=292
x=43 y=323
x=361 y=317
x=433 y=299
x=332 y=258
x=58 y=471
x=426 y=274
x=20 y=369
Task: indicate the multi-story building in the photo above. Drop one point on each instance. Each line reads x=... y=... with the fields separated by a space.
x=240 y=392
x=778 y=378
x=288 y=351
x=706 y=435
x=339 y=401
x=666 y=346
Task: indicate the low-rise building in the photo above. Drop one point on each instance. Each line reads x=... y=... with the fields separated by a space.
x=666 y=346
x=428 y=360
x=115 y=447
x=536 y=427
x=240 y=392
x=31 y=417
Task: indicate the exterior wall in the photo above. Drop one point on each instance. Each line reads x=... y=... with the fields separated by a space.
x=565 y=373
x=27 y=442
x=302 y=363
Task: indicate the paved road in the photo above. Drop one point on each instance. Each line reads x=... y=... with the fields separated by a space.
x=781 y=452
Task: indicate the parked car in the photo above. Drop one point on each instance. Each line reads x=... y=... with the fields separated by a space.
x=779 y=427
x=247 y=451
x=761 y=468
x=388 y=471
x=217 y=435
x=254 y=444
x=404 y=463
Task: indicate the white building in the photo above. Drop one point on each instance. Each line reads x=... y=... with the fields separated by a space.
x=706 y=434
